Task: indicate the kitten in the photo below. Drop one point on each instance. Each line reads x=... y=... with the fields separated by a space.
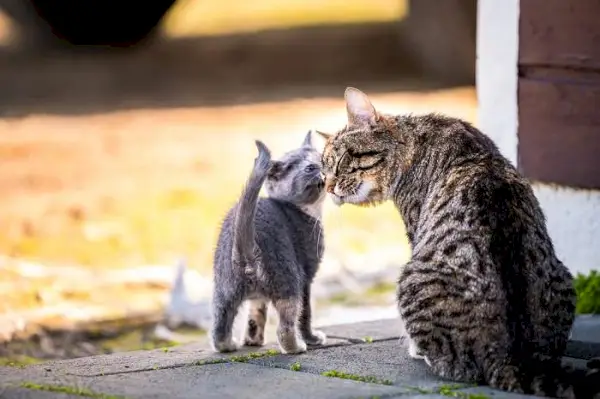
x=269 y=250
x=484 y=298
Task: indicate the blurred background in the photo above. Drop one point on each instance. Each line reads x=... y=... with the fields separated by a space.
x=127 y=130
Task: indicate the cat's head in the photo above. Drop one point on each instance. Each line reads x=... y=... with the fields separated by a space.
x=359 y=162
x=296 y=177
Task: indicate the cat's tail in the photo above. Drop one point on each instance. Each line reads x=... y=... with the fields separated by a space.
x=549 y=378
x=245 y=249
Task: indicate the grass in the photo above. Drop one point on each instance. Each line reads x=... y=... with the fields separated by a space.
x=69 y=390
x=356 y=377
x=295 y=366
x=451 y=390
x=240 y=358
x=19 y=361
x=587 y=288
x=196 y=17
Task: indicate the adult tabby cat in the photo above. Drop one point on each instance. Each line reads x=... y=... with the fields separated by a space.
x=484 y=298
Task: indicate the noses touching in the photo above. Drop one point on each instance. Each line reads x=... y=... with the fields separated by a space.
x=329 y=186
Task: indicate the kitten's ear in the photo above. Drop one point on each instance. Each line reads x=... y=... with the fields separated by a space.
x=275 y=169
x=361 y=112
x=308 y=139
x=326 y=136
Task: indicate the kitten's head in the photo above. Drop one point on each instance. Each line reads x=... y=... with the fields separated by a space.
x=361 y=160
x=296 y=177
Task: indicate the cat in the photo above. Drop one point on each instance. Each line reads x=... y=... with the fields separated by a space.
x=269 y=250
x=484 y=299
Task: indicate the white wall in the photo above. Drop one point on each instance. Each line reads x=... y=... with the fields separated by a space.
x=497 y=60
x=573 y=220
x=573 y=216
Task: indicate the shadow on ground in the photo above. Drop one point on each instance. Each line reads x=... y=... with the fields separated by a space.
x=210 y=71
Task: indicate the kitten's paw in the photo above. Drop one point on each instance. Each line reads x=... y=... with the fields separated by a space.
x=226 y=346
x=254 y=341
x=316 y=338
x=299 y=347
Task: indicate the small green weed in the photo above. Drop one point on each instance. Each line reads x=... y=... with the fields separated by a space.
x=19 y=361
x=295 y=367
x=354 y=377
x=239 y=358
x=69 y=390
x=451 y=391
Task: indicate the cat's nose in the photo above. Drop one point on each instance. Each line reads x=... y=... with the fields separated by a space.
x=329 y=186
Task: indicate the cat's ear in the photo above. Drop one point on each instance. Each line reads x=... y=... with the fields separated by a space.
x=275 y=169
x=326 y=136
x=308 y=139
x=361 y=112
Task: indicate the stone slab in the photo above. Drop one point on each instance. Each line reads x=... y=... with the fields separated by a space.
x=377 y=330
x=492 y=393
x=585 y=337
x=223 y=381
x=376 y=349
x=146 y=360
x=22 y=393
x=586 y=328
x=385 y=360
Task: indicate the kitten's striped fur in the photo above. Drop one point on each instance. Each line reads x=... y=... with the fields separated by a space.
x=484 y=298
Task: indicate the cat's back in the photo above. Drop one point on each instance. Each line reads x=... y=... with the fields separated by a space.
x=282 y=230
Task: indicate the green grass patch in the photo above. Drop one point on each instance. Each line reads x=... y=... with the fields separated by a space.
x=587 y=288
x=355 y=377
x=451 y=390
x=295 y=366
x=19 y=361
x=240 y=358
x=69 y=390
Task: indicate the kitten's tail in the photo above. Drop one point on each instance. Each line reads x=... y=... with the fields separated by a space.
x=551 y=379
x=245 y=249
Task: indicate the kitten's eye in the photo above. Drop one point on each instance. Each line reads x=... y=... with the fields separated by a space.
x=310 y=168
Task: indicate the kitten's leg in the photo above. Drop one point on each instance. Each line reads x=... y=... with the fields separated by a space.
x=255 y=331
x=287 y=334
x=225 y=309
x=310 y=336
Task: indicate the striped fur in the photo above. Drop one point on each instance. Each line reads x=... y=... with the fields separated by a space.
x=484 y=298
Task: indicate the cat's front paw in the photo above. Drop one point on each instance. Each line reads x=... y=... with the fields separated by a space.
x=316 y=338
x=254 y=341
x=230 y=345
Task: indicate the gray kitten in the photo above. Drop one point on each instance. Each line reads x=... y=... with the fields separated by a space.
x=269 y=250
